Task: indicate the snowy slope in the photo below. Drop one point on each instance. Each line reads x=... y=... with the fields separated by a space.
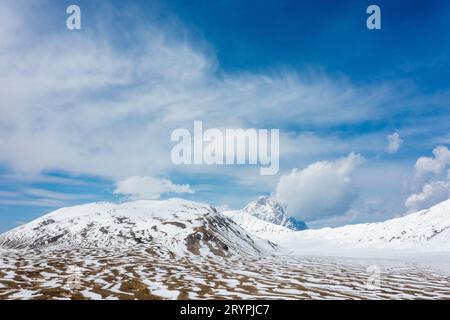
x=256 y=226
x=176 y=225
x=268 y=209
x=423 y=231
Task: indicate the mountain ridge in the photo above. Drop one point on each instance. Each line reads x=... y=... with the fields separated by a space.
x=176 y=225
x=180 y=226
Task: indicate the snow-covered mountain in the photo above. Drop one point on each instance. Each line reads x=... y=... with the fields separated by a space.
x=268 y=209
x=426 y=230
x=176 y=225
x=179 y=226
x=257 y=227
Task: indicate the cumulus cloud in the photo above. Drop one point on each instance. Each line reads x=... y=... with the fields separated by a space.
x=148 y=188
x=321 y=190
x=434 y=165
x=434 y=178
x=394 y=142
x=431 y=194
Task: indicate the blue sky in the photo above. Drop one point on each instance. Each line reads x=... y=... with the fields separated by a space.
x=84 y=110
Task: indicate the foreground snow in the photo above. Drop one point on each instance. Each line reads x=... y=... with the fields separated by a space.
x=136 y=273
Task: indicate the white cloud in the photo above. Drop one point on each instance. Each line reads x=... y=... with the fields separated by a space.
x=40 y=197
x=148 y=188
x=431 y=194
x=394 y=142
x=80 y=103
x=321 y=190
x=42 y=193
x=434 y=165
x=32 y=203
x=433 y=179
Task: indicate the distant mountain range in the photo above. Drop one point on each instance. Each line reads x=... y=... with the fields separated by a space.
x=180 y=226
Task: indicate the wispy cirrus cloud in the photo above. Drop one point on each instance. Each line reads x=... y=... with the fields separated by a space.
x=42 y=193
x=80 y=103
x=41 y=197
x=32 y=203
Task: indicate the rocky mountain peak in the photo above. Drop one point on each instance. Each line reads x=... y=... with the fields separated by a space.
x=269 y=209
